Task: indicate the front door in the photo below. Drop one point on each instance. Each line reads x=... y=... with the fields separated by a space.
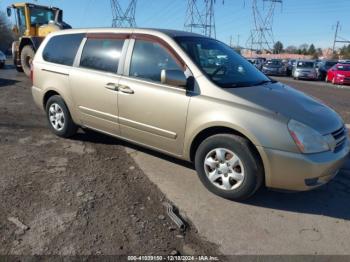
x=152 y=113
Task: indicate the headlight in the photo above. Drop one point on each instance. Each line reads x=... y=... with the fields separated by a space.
x=307 y=139
x=264 y=67
x=340 y=75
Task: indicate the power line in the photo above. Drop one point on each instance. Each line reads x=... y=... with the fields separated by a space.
x=123 y=18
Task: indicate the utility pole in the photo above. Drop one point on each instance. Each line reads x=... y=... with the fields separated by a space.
x=261 y=36
x=201 y=17
x=335 y=36
x=123 y=18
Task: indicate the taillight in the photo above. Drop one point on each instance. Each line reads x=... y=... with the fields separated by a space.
x=32 y=72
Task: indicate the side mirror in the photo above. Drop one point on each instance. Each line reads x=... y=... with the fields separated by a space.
x=173 y=78
x=9 y=11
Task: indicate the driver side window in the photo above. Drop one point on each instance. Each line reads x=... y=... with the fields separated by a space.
x=149 y=59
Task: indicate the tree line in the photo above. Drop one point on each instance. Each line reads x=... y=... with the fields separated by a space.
x=311 y=50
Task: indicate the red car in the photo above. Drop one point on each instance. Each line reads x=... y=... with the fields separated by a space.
x=339 y=74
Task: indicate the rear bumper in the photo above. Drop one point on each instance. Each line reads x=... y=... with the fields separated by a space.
x=301 y=172
x=38 y=97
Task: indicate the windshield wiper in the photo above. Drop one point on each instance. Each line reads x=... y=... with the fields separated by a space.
x=264 y=82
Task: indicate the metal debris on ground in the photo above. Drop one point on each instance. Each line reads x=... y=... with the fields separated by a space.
x=175 y=217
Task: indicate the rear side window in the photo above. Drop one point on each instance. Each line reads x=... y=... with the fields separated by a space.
x=102 y=54
x=62 y=49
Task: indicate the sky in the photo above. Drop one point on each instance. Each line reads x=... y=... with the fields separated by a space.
x=295 y=22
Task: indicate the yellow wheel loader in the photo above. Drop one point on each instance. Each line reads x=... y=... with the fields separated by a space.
x=33 y=24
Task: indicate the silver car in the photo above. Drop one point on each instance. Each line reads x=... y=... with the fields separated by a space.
x=305 y=69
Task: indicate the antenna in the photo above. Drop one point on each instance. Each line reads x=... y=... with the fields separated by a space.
x=123 y=18
x=201 y=18
x=261 y=36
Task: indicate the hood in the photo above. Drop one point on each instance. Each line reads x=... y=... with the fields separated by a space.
x=292 y=104
x=346 y=73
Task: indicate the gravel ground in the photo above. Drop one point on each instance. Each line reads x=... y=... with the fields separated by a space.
x=79 y=196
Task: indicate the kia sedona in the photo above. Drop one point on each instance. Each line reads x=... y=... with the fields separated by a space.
x=191 y=97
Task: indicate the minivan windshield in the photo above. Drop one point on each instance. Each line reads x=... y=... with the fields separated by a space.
x=221 y=63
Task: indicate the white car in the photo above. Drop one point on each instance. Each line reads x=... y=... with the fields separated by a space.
x=2 y=59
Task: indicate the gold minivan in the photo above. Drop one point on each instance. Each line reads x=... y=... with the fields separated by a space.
x=191 y=97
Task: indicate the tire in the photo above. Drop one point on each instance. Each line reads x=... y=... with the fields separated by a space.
x=27 y=56
x=18 y=68
x=248 y=168
x=61 y=123
x=2 y=65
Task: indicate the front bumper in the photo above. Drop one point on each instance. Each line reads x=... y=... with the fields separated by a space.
x=342 y=81
x=301 y=75
x=301 y=172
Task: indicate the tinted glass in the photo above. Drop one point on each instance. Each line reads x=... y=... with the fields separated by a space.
x=41 y=16
x=102 y=54
x=274 y=62
x=344 y=67
x=149 y=59
x=221 y=63
x=330 y=64
x=62 y=49
x=305 y=64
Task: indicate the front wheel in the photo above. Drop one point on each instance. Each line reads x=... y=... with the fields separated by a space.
x=229 y=166
x=27 y=56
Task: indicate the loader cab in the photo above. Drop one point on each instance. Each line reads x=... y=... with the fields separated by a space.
x=30 y=18
x=32 y=24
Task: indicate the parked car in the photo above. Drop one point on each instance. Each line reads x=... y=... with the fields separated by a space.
x=304 y=69
x=323 y=67
x=339 y=74
x=274 y=67
x=2 y=59
x=240 y=128
x=289 y=65
x=257 y=62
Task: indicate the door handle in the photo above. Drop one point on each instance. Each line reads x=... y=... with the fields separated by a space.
x=111 y=86
x=125 y=89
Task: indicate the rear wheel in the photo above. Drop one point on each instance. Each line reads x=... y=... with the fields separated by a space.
x=27 y=56
x=229 y=167
x=59 y=117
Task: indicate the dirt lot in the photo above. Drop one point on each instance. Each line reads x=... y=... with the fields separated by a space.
x=79 y=196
